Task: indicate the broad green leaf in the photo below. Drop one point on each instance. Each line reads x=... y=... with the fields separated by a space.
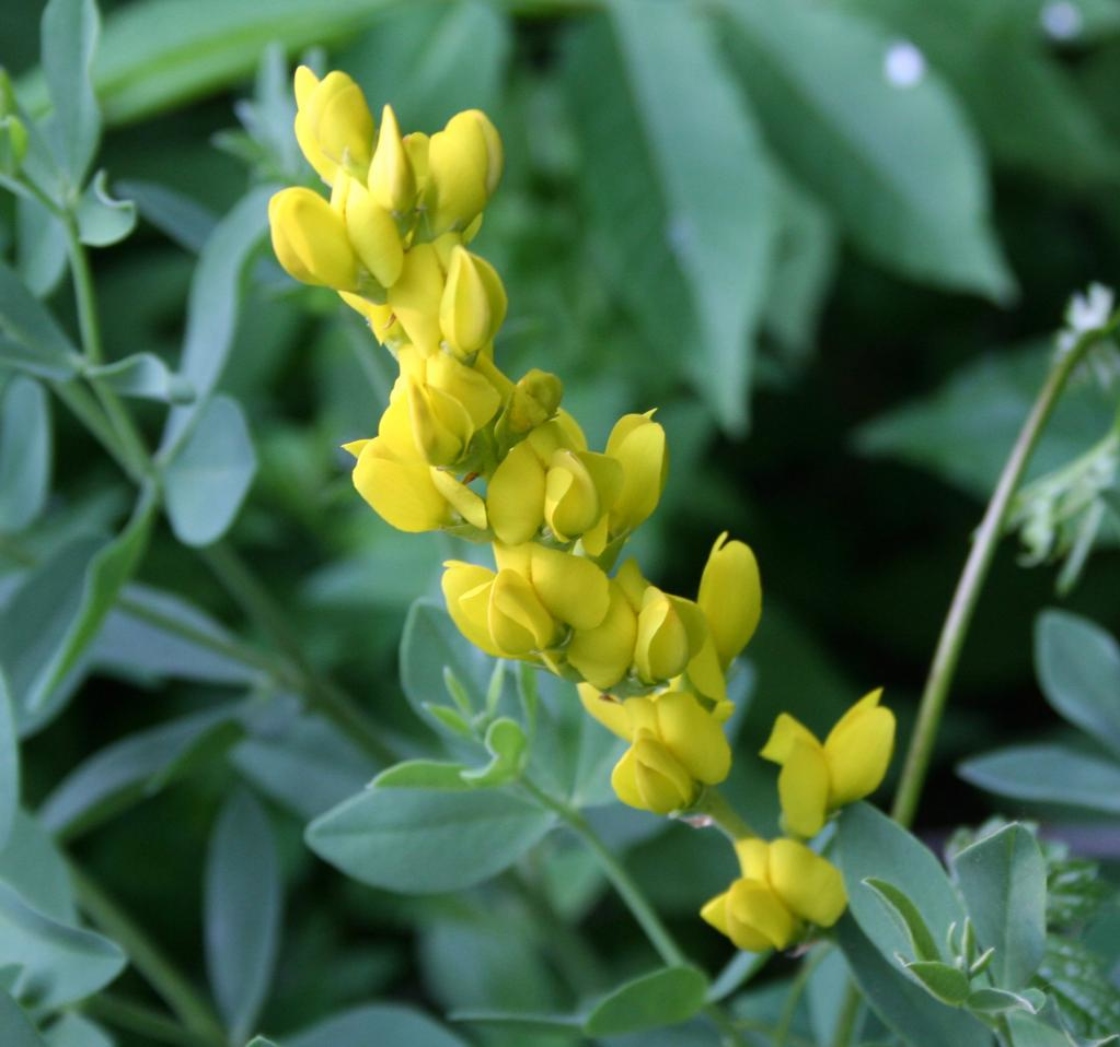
x=70 y=30
x=1003 y=880
x=25 y=453
x=1048 y=774
x=102 y=219
x=210 y=475
x=144 y=376
x=41 y=244
x=57 y=611
x=421 y=841
x=828 y=995
x=896 y=162
x=1078 y=666
x=373 y=1024
x=996 y=1001
x=665 y=997
x=59 y=963
x=30 y=338
x=678 y=190
x=33 y=865
x=9 y=765
x=1029 y=1031
x=185 y=221
x=213 y=306
x=135 y=766
x=1079 y=982
x=430 y=643
x=908 y=1010
x=72 y=1030
x=423 y=774
x=243 y=911
x=965 y=430
x=870 y=845
x=16 y=1029
x=922 y=944
x=505 y=741
x=942 y=981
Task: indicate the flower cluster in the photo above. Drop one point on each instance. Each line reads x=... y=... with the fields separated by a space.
x=464 y=448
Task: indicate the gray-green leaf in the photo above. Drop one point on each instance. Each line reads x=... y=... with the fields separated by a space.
x=665 y=997
x=70 y=30
x=30 y=338
x=102 y=219
x=9 y=764
x=376 y=1023
x=25 y=453
x=145 y=376
x=1048 y=774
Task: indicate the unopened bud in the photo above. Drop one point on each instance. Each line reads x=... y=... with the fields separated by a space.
x=310 y=240
x=535 y=399
x=373 y=233
x=391 y=178
x=333 y=125
x=473 y=305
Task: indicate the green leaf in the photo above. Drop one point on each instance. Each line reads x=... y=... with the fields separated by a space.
x=1003 y=880
x=70 y=30
x=72 y=1030
x=678 y=191
x=210 y=475
x=897 y=164
x=59 y=963
x=34 y=866
x=25 y=453
x=1048 y=774
x=908 y=1010
x=505 y=741
x=145 y=376
x=184 y=220
x=942 y=981
x=1028 y=1031
x=243 y=911
x=420 y=841
x=260 y=1041
x=906 y=913
x=871 y=845
x=9 y=765
x=1079 y=982
x=1079 y=669
x=423 y=774
x=57 y=611
x=30 y=339
x=213 y=306
x=137 y=765
x=964 y=431
x=41 y=242
x=103 y=220
x=997 y=1001
x=376 y=1023
x=665 y=997
x=16 y=1029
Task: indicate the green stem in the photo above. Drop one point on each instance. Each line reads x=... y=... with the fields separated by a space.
x=148 y=959
x=334 y=703
x=145 y=1022
x=793 y=998
x=849 y=1015
x=90 y=414
x=975 y=573
x=631 y=894
x=713 y=805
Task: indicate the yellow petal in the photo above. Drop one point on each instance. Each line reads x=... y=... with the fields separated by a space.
x=478 y=397
x=461 y=498
x=607 y=710
x=787 y=731
x=474 y=302
x=638 y=444
x=392 y=181
x=803 y=788
x=757 y=918
x=715 y=912
x=663 y=784
x=374 y=235
x=730 y=596
x=624 y=780
x=693 y=736
x=810 y=886
x=518 y=621
x=401 y=493
x=662 y=650
x=415 y=297
x=515 y=496
x=466 y=589
x=333 y=125
x=602 y=655
x=458 y=165
x=310 y=241
x=858 y=751
x=575 y=590
x=754 y=858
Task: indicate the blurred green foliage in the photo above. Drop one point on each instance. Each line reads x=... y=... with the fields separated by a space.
x=829 y=241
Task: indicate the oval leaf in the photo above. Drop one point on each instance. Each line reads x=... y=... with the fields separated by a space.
x=420 y=841
x=70 y=30
x=16 y=1029
x=102 y=219
x=25 y=453
x=941 y=980
x=242 y=910
x=9 y=764
x=377 y=1023
x=1048 y=774
x=666 y=997
x=144 y=376
x=30 y=338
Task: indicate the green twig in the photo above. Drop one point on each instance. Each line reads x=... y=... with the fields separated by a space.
x=148 y=959
x=955 y=629
x=143 y=1021
x=713 y=805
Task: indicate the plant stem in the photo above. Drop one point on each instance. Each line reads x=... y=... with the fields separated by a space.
x=631 y=894
x=955 y=629
x=145 y=1022
x=330 y=700
x=90 y=414
x=148 y=959
x=849 y=1015
x=715 y=806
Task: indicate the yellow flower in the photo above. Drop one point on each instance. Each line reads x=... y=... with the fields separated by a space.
x=671 y=630
x=817 y=779
x=638 y=444
x=603 y=655
x=474 y=303
x=784 y=886
x=371 y=229
x=464 y=166
x=730 y=597
x=310 y=240
x=333 y=126
x=392 y=180
x=416 y=295
x=676 y=745
x=534 y=400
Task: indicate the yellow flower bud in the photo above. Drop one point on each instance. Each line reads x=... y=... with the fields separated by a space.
x=575 y=590
x=399 y=490
x=371 y=230
x=448 y=403
x=650 y=778
x=518 y=620
x=466 y=589
x=464 y=163
x=460 y=497
x=579 y=488
x=811 y=886
x=380 y=317
x=602 y=655
x=752 y=915
x=638 y=444
x=730 y=597
x=670 y=631
x=817 y=779
x=415 y=298
x=534 y=400
x=333 y=126
x=310 y=240
x=515 y=496
x=392 y=181
x=693 y=736
x=473 y=304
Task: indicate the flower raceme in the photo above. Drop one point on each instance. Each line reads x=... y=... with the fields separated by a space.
x=817 y=779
